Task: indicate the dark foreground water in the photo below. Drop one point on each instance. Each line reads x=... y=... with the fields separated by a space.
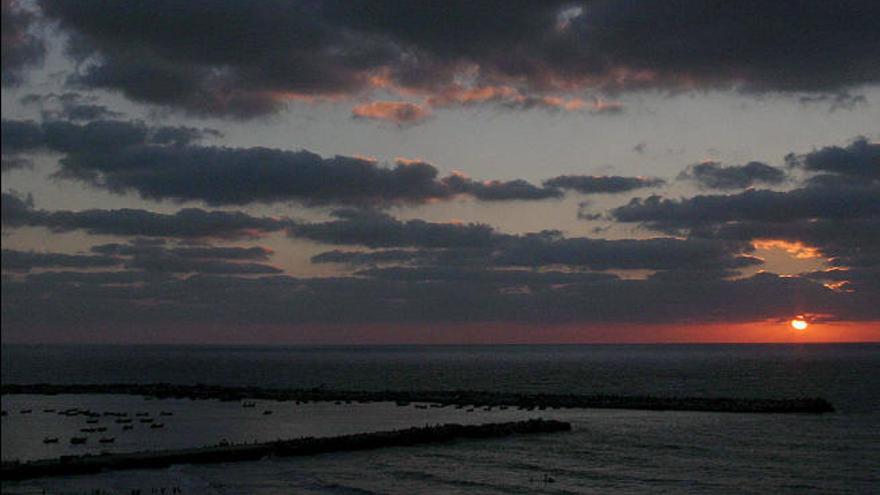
x=609 y=451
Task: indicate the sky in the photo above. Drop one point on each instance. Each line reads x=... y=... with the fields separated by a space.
x=366 y=171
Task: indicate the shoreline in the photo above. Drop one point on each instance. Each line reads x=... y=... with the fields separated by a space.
x=810 y=405
x=90 y=464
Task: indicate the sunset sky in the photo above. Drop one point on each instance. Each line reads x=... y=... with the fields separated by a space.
x=440 y=172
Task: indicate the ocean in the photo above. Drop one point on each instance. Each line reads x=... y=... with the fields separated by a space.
x=609 y=451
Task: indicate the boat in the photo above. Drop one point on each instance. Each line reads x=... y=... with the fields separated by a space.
x=107 y=439
x=78 y=440
x=50 y=440
x=157 y=425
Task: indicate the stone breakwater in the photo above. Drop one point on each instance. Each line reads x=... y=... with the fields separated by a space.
x=444 y=398
x=87 y=464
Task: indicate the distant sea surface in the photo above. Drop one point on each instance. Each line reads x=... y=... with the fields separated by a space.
x=609 y=451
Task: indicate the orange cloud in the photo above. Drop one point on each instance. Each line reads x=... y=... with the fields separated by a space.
x=503 y=95
x=797 y=249
x=397 y=112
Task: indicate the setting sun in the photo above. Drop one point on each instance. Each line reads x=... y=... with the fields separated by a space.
x=799 y=324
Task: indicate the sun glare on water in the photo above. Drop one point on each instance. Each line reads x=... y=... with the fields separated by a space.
x=799 y=324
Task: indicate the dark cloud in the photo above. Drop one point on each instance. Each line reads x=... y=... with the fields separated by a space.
x=366 y=257
x=162 y=163
x=753 y=205
x=488 y=247
x=172 y=263
x=427 y=296
x=23 y=261
x=495 y=190
x=714 y=175
x=21 y=49
x=186 y=223
x=257 y=253
x=840 y=100
x=376 y=229
x=602 y=254
x=835 y=216
x=245 y=60
x=100 y=138
x=588 y=184
x=18 y=136
x=860 y=160
x=69 y=106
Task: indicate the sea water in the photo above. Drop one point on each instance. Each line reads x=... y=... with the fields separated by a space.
x=609 y=451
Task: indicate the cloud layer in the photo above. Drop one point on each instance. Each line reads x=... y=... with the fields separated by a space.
x=514 y=53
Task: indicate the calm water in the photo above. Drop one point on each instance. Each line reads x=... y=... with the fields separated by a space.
x=609 y=451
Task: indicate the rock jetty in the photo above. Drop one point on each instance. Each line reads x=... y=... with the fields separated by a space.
x=225 y=452
x=464 y=398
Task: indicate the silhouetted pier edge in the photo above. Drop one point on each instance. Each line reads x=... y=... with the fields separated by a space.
x=87 y=464
x=452 y=397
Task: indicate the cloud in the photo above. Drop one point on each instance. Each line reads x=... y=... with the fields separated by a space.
x=24 y=261
x=624 y=254
x=496 y=190
x=162 y=163
x=187 y=223
x=416 y=296
x=753 y=205
x=93 y=138
x=860 y=160
x=21 y=49
x=481 y=246
x=588 y=184
x=377 y=229
x=835 y=215
x=69 y=106
x=199 y=252
x=509 y=53
x=172 y=263
x=714 y=175
x=397 y=112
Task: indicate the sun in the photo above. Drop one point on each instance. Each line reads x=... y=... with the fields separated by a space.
x=799 y=323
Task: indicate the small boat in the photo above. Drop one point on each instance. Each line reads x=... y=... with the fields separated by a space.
x=107 y=439
x=48 y=410
x=26 y=411
x=78 y=440
x=267 y=412
x=50 y=440
x=142 y=414
x=157 y=425
x=166 y=413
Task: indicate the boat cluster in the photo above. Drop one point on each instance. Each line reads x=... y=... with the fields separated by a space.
x=94 y=419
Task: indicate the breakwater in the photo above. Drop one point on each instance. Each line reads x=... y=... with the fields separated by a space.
x=443 y=398
x=87 y=464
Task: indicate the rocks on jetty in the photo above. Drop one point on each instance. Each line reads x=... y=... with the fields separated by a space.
x=465 y=398
x=225 y=452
